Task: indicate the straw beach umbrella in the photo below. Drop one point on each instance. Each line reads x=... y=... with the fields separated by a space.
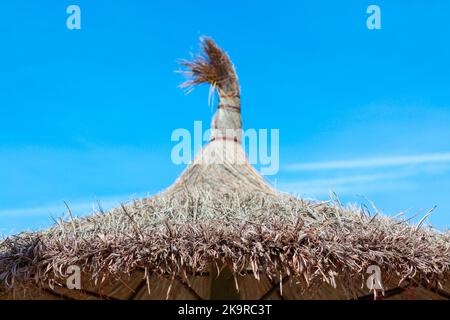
x=221 y=231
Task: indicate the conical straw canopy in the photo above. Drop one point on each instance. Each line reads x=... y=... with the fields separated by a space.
x=221 y=229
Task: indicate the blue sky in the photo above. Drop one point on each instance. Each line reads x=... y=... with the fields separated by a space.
x=87 y=115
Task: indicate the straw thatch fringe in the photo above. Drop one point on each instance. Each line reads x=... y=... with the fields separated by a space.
x=273 y=236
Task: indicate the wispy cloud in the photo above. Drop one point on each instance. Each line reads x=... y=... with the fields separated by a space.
x=365 y=176
x=359 y=183
x=375 y=162
x=13 y=220
x=79 y=208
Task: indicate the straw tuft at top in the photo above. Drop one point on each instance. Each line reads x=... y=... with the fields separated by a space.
x=211 y=66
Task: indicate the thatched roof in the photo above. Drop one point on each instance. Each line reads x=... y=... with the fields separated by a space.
x=222 y=220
